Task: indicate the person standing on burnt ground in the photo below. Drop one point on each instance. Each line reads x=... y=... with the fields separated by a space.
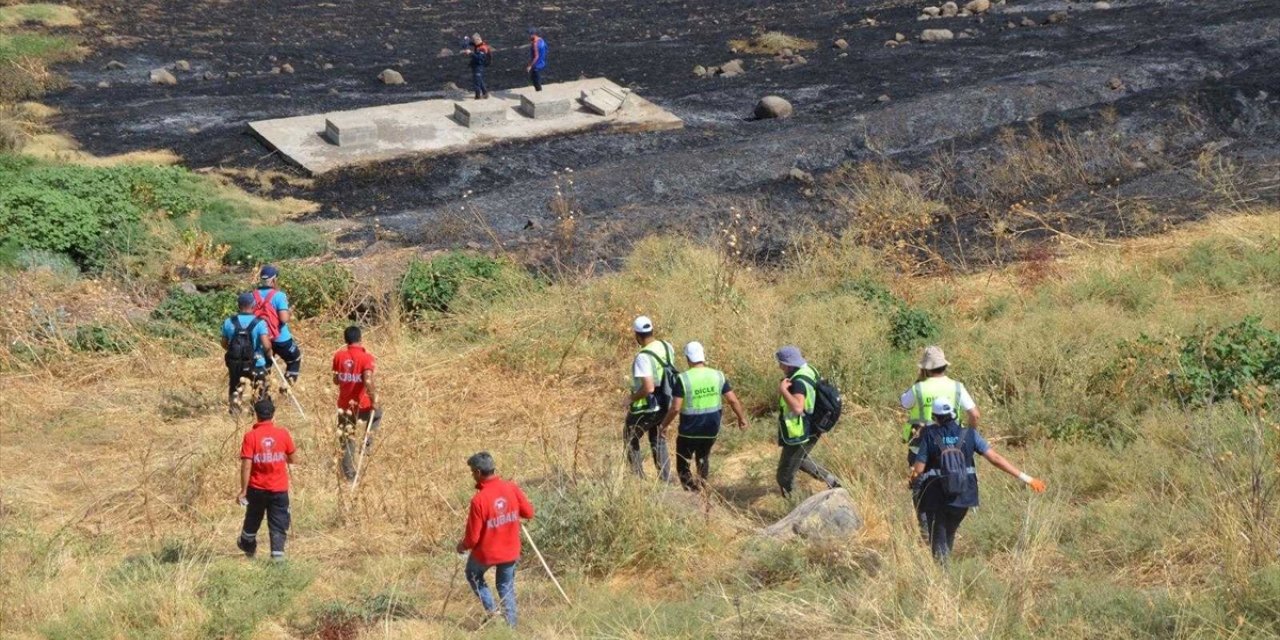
x=537 y=58
x=481 y=57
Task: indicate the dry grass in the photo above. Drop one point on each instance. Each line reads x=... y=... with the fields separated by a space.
x=772 y=43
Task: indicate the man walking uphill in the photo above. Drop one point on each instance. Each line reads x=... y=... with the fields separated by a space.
x=651 y=374
x=537 y=58
x=272 y=305
x=357 y=397
x=493 y=534
x=798 y=393
x=698 y=397
x=481 y=56
x=247 y=346
x=265 y=456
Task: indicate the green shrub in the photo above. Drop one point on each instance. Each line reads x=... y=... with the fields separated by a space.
x=238 y=595
x=315 y=290
x=432 y=285
x=101 y=338
x=1218 y=364
x=910 y=328
x=770 y=563
x=203 y=312
x=256 y=244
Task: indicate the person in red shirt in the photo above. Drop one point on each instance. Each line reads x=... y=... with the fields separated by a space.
x=265 y=456
x=493 y=534
x=357 y=397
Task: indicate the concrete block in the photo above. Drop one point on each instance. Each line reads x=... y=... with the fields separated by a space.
x=347 y=130
x=479 y=114
x=399 y=131
x=541 y=107
x=604 y=100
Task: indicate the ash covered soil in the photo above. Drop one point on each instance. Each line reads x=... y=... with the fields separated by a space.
x=1168 y=80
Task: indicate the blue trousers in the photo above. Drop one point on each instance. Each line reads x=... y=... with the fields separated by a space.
x=292 y=356
x=505 y=577
x=477 y=81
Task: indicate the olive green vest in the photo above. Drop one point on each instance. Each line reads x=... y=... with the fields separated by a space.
x=925 y=392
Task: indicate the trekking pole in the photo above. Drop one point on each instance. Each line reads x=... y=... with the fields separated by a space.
x=288 y=388
x=544 y=564
x=364 y=445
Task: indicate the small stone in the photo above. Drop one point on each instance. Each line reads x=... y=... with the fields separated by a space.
x=932 y=12
x=963 y=35
x=286 y=68
x=773 y=107
x=884 y=97
x=1115 y=83
x=445 y=53
x=231 y=75
x=1057 y=17
x=843 y=54
x=275 y=71
x=700 y=71
x=732 y=68
x=949 y=10
x=786 y=53
x=1103 y=6
x=1028 y=22
x=1011 y=25
x=104 y=85
x=840 y=43
x=188 y=287
x=390 y=77
x=799 y=60
x=162 y=76
x=978 y=6
x=666 y=38
x=114 y=65
x=936 y=35
x=327 y=66
x=964 y=13
x=800 y=175
x=209 y=75
x=182 y=65
x=891 y=43
x=899 y=37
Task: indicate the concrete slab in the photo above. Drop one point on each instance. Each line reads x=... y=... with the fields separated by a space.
x=430 y=127
x=604 y=100
x=540 y=107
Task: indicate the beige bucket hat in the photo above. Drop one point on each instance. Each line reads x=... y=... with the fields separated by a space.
x=933 y=358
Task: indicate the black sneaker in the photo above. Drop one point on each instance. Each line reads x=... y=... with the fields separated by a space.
x=249 y=548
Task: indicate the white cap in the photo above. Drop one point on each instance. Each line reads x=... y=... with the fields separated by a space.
x=643 y=325
x=693 y=351
x=942 y=407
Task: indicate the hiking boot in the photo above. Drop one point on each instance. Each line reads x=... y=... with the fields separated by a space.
x=249 y=547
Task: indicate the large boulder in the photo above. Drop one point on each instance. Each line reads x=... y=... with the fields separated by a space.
x=936 y=35
x=391 y=76
x=773 y=107
x=824 y=516
x=162 y=76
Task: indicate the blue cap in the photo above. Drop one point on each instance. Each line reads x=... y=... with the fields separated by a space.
x=790 y=356
x=533 y=31
x=244 y=300
x=269 y=271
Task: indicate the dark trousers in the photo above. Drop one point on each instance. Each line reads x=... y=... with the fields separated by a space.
x=635 y=428
x=693 y=453
x=535 y=76
x=245 y=387
x=275 y=506
x=795 y=457
x=292 y=356
x=477 y=82
x=943 y=523
x=351 y=427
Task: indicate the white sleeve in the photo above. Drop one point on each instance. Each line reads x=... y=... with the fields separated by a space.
x=966 y=400
x=908 y=399
x=642 y=367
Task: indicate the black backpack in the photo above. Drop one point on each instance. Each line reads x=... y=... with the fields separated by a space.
x=827 y=404
x=241 y=352
x=953 y=466
x=662 y=391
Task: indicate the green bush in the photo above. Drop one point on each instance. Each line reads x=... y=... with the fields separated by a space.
x=238 y=595
x=101 y=338
x=910 y=328
x=203 y=312
x=251 y=245
x=1217 y=364
x=770 y=563
x=432 y=285
x=316 y=289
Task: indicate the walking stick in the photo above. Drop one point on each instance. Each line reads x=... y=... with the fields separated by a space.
x=452 y=581
x=288 y=388
x=544 y=564
x=364 y=445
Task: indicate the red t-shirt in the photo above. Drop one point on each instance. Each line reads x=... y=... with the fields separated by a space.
x=269 y=447
x=350 y=365
x=493 y=526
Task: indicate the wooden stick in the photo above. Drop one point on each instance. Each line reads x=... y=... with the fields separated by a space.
x=544 y=564
x=452 y=581
x=288 y=388
x=364 y=444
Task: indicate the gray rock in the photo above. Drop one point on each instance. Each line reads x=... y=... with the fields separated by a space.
x=840 y=43
x=932 y=12
x=1028 y=22
x=773 y=107
x=978 y=6
x=114 y=65
x=1102 y=5
x=104 y=85
x=232 y=75
x=884 y=97
x=732 y=68
x=445 y=53
x=829 y=515
x=1115 y=83
x=162 y=76
x=700 y=71
x=182 y=65
x=799 y=60
x=666 y=38
x=950 y=10
x=391 y=77
x=899 y=37
x=209 y=75
x=328 y=66
x=936 y=35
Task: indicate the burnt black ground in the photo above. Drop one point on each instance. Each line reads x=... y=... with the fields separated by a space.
x=1219 y=60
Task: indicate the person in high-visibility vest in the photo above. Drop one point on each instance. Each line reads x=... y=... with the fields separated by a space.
x=649 y=400
x=795 y=435
x=698 y=397
x=932 y=384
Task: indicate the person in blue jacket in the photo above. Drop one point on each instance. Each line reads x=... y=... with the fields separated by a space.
x=537 y=58
x=481 y=56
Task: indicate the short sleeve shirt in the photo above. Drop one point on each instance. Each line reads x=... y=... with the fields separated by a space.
x=258 y=331
x=349 y=365
x=706 y=425
x=269 y=448
x=280 y=302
